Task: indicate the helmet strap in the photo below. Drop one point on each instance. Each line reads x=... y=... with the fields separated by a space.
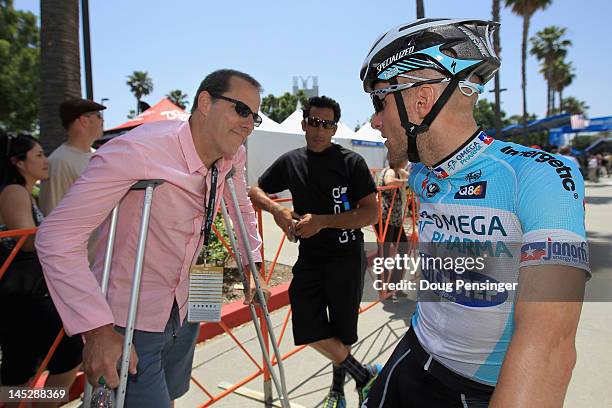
x=413 y=130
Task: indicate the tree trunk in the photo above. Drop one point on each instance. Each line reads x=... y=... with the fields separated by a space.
x=60 y=65
x=497 y=47
x=549 y=98
x=420 y=9
x=552 y=100
x=561 y=100
x=526 y=22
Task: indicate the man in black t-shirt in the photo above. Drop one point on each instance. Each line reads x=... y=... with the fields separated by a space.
x=333 y=197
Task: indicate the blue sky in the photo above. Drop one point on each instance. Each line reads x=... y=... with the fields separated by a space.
x=178 y=43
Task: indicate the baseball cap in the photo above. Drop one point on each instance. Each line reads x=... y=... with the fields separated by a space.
x=71 y=109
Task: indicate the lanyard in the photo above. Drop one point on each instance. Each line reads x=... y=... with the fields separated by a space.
x=210 y=208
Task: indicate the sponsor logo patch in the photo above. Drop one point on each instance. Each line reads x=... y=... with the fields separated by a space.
x=569 y=252
x=473 y=176
x=432 y=189
x=472 y=191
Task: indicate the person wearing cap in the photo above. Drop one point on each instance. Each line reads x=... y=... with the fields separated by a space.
x=501 y=331
x=83 y=122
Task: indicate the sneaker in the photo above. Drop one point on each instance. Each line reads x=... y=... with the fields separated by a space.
x=334 y=400
x=401 y=294
x=363 y=391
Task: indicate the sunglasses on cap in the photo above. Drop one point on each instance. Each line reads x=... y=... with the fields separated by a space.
x=378 y=96
x=315 y=122
x=241 y=109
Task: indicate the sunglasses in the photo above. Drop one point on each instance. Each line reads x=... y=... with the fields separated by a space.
x=378 y=96
x=241 y=109
x=315 y=122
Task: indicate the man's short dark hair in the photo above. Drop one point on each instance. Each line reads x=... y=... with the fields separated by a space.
x=322 y=102
x=217 y=83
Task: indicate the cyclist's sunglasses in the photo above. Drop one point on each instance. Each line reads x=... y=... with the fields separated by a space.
x=241 y=109
x=378 y=96
x=315 y=122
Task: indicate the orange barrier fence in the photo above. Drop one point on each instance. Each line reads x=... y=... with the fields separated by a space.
x=261 y=368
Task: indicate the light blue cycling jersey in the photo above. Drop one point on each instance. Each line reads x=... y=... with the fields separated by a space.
x=511 y=205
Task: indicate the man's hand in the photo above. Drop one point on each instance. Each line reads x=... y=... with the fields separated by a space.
x=250 y=292
x=283 y=218
x=309 y=225
x=102 y=351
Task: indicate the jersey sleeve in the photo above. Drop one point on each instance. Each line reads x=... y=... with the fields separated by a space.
x=273 y=179
x=363 y=183
x=550 y=203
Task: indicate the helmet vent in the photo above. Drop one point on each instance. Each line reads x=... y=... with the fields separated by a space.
x=419 y=22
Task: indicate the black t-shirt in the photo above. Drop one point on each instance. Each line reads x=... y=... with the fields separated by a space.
x=329 y=182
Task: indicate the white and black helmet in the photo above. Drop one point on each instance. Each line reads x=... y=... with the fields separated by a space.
x=455 y=47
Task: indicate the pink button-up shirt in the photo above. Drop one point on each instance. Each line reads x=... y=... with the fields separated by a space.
x=162 y=150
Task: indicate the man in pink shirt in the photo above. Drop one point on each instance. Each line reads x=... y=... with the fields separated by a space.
x=185 y=155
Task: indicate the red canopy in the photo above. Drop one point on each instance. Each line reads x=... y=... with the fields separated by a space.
x=162 y=110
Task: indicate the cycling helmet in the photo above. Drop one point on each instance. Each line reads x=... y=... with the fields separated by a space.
x=457 y=48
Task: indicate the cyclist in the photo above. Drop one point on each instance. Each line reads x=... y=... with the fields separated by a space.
x=477 y=348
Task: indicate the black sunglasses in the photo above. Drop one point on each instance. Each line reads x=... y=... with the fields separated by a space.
x=315 y=122
x=241 y=109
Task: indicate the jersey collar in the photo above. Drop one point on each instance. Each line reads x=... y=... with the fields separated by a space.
x=463 y=156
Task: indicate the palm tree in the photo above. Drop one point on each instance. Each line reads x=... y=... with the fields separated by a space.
x=575 y=106
x=548 y=46
x=60 y=65
x=140 y=85
x=178 y=98
x=497 y=47
x=525 y=9
x=562 y=75
x=420 y=9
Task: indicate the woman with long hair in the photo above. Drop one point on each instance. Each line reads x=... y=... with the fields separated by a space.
x=29 y=321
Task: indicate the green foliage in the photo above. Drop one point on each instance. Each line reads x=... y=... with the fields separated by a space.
x=19 y=69
x=217 y=254
x=484 y=114
x=279 y=108
x=574 y=106
x=519 y=118
x=582 y=142
x=178 y=98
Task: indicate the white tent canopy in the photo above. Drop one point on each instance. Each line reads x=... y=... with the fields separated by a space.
x=268 y=124
x=368 y=133
x=270 y=140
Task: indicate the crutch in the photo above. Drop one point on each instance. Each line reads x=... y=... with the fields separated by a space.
x=281 y=387
x=148 y=186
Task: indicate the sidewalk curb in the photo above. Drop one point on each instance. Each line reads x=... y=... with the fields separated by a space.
x=236 y=313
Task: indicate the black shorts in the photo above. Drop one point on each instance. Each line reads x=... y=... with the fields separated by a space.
x=405 y=383
x=28 y=329
x=325 y=299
